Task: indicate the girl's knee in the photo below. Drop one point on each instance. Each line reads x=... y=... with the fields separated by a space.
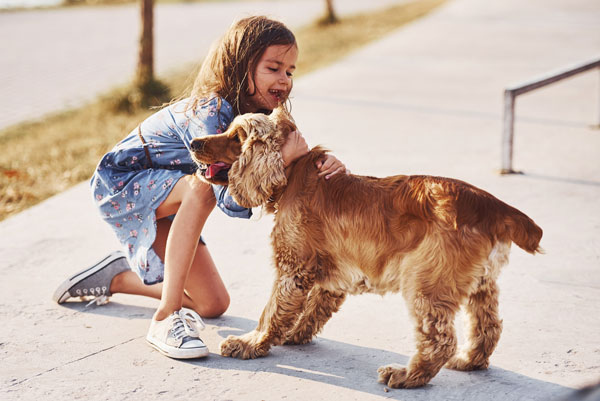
x=215 y=308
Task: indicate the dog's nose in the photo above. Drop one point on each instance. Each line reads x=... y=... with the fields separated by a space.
x=197 y=145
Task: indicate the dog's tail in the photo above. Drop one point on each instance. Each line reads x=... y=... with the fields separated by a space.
x=523 y=231
x=503 y=222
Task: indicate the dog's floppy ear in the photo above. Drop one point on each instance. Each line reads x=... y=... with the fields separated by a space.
x=257 y=172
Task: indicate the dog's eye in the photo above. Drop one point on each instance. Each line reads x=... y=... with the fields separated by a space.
x=236 y=138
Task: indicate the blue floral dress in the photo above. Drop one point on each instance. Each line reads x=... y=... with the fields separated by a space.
x=128 y=188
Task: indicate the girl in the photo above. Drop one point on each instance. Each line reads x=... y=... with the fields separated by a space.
x=146 y=189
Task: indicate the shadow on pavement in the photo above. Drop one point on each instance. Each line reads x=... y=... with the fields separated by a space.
x=113 y=309
x=352 y=366
x=564 y=180
x=355 y=367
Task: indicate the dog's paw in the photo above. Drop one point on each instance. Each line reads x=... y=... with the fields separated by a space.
x=461 y=363
x=392 y=375
x=297 y=340
x=396 y=376
x=247 y=346
x=303 y=341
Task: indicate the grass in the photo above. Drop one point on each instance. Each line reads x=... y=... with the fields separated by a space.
x=42 y=158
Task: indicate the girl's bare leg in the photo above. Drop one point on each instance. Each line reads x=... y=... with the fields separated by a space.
x=188 y=265
x=204 y=290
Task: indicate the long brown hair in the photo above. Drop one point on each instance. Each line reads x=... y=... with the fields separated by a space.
x=225 y=70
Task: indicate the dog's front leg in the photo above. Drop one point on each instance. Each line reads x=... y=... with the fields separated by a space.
x=320 y=306
x=285 y=305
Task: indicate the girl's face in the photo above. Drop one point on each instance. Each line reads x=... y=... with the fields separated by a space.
x=272 y=82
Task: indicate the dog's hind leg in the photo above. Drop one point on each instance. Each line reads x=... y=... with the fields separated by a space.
x=484 y=328
x=436 y=343
x=287 y=302
x=320 y=306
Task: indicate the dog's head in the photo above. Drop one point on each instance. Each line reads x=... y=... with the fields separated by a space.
x=247 y=156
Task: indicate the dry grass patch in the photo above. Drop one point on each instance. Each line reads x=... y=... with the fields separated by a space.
x=42 y=158
x=45 y=157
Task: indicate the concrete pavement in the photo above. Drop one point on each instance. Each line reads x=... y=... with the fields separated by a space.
x=61 y=58
x=426 y=99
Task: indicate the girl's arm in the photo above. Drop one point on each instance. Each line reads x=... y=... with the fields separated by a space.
x=330 y=166
x=296 y=147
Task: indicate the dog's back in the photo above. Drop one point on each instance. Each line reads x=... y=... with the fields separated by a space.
x=368 y=232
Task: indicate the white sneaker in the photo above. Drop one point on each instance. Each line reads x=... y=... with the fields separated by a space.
x=177 y=336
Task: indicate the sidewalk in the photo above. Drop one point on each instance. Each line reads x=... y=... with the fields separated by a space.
x=426 y=99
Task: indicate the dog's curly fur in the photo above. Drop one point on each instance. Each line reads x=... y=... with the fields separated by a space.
x=440 y=241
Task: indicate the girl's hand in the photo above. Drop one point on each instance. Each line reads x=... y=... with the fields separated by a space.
x=330 y=166
x=294 y=147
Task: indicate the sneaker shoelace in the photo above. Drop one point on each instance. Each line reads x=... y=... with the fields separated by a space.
x=186 y=323
x=99 y=300
x=99 y=294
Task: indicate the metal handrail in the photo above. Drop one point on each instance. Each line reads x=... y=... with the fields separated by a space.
x=510 y=95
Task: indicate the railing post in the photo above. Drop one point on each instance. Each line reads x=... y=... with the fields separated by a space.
x=598 y=125
x=510 y=95
x=508 y=134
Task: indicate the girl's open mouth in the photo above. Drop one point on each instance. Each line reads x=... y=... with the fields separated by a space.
x=277 y=94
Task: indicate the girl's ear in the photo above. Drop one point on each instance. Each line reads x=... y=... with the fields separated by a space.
x=257 y=172
x=250 y=88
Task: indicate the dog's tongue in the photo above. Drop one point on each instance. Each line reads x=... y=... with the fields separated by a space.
x=214 y=169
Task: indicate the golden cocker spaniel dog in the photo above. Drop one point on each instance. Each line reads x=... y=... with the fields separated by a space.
x=440 y=241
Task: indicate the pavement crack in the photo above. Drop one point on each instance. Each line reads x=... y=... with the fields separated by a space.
x=71 y=362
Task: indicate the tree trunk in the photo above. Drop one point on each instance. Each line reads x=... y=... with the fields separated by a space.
x=330 y=16
x=145 y=68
